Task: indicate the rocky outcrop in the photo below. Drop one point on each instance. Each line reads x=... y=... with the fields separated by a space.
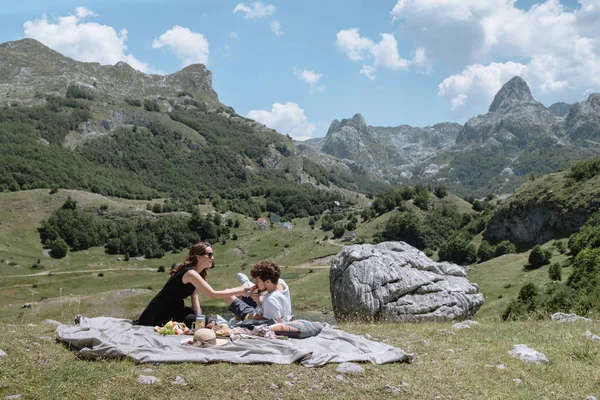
x=550 y=207
x=560 y=109
x=583 y=121
x=394 y=281
x=514 y=120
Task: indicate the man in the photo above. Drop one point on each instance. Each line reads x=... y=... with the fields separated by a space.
x=275 y=303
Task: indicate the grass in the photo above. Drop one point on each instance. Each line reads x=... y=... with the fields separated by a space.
x=460 y=366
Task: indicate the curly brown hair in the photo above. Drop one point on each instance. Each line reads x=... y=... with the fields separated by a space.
x=266 y=270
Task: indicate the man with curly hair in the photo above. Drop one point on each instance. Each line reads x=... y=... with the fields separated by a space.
x=270 y=295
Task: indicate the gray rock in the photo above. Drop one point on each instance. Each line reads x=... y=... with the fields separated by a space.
x=517 y=381
x=350 y=368
x=393 y=389
x=13 y=397
x=51 y=322
x=562 y=317
x=147 y=370
x=26 y=305
x=339 y=377
x=465 y=324
x=395 y=281
x=147 y=379
x=590 y=398
x=592 y=337
x=527 y=354
x=179 y=381
x=3 y=353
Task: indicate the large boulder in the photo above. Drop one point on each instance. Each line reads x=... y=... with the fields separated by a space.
x=395 y=281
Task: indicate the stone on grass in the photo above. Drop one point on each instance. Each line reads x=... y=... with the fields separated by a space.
x=3 y=353
x=51 y=322
x=13 y=397
x=179 y=381
x=147 y=370
x=446 y=332
x=396 y=282
x=527 y=354
x=148 y=379
x=590 y=398
x=350 y=368
x=339 y=377
x=592 y=337
x=517 y=381
x=393 y=389
x=562 y=317
x=465 y=324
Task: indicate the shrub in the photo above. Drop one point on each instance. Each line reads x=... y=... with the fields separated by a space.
x=458 y=250
x=505 y=247
x=161 y=269
x=440 y=192
x=234 y=237
x=485 y=252
x=338 y=232
x=539 y=257
x=58 y=248
x=554 y=272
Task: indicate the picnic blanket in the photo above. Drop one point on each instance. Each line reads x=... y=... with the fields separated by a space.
x=105 y=337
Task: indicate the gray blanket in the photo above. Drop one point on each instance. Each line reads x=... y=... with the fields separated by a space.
x=105 y=337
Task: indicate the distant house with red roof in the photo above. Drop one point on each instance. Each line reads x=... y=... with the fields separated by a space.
x=261 y=223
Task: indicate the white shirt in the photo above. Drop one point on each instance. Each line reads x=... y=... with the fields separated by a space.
x=278 y=304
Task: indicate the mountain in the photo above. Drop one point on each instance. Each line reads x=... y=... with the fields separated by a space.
x=116 y=131
x=491 y=153
x=387 y=152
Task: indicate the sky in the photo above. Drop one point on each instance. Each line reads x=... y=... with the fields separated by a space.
x=298 y=65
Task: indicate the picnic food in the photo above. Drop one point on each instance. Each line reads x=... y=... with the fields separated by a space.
x=172 y=328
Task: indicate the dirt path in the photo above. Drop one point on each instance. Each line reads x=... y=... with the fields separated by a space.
x=321 y=262
x=52 y=273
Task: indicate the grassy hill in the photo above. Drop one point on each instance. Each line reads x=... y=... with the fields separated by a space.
x=460 y=365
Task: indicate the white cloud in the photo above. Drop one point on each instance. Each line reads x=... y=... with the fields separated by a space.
x=256 y=10
x=310 y=77
x=83 y=41
x=276 y=28
x=477 y=85
x=384 y=54
x=190 y=47
x=83 y=12
x=286 y=118
x=557 y=49
x=368 y=71
x=234 y=35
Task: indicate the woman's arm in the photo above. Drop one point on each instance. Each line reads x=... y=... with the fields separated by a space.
x=203 y=287
x=196 y=304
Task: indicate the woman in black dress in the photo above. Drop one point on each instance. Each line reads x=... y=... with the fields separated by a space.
x=187 y=279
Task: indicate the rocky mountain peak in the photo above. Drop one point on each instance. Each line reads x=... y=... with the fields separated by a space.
x=357 y=122
x=335 y=124
x=514 y=91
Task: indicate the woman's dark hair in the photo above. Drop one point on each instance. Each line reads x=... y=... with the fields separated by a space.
x=266 y=270
x=198 y=249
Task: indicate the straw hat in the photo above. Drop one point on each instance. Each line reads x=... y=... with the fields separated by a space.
x=207 y=338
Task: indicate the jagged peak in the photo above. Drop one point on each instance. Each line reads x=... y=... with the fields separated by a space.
x=357 y=122
x=515 y=90
x=334 y=125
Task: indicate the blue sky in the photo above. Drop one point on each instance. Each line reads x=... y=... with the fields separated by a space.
x=296 y=66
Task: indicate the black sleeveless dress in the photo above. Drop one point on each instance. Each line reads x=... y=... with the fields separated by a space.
x=169 y=303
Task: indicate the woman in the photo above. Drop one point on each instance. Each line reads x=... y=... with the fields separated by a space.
x=187 y=279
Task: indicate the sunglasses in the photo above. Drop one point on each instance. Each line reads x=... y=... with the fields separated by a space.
x=209 y=255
